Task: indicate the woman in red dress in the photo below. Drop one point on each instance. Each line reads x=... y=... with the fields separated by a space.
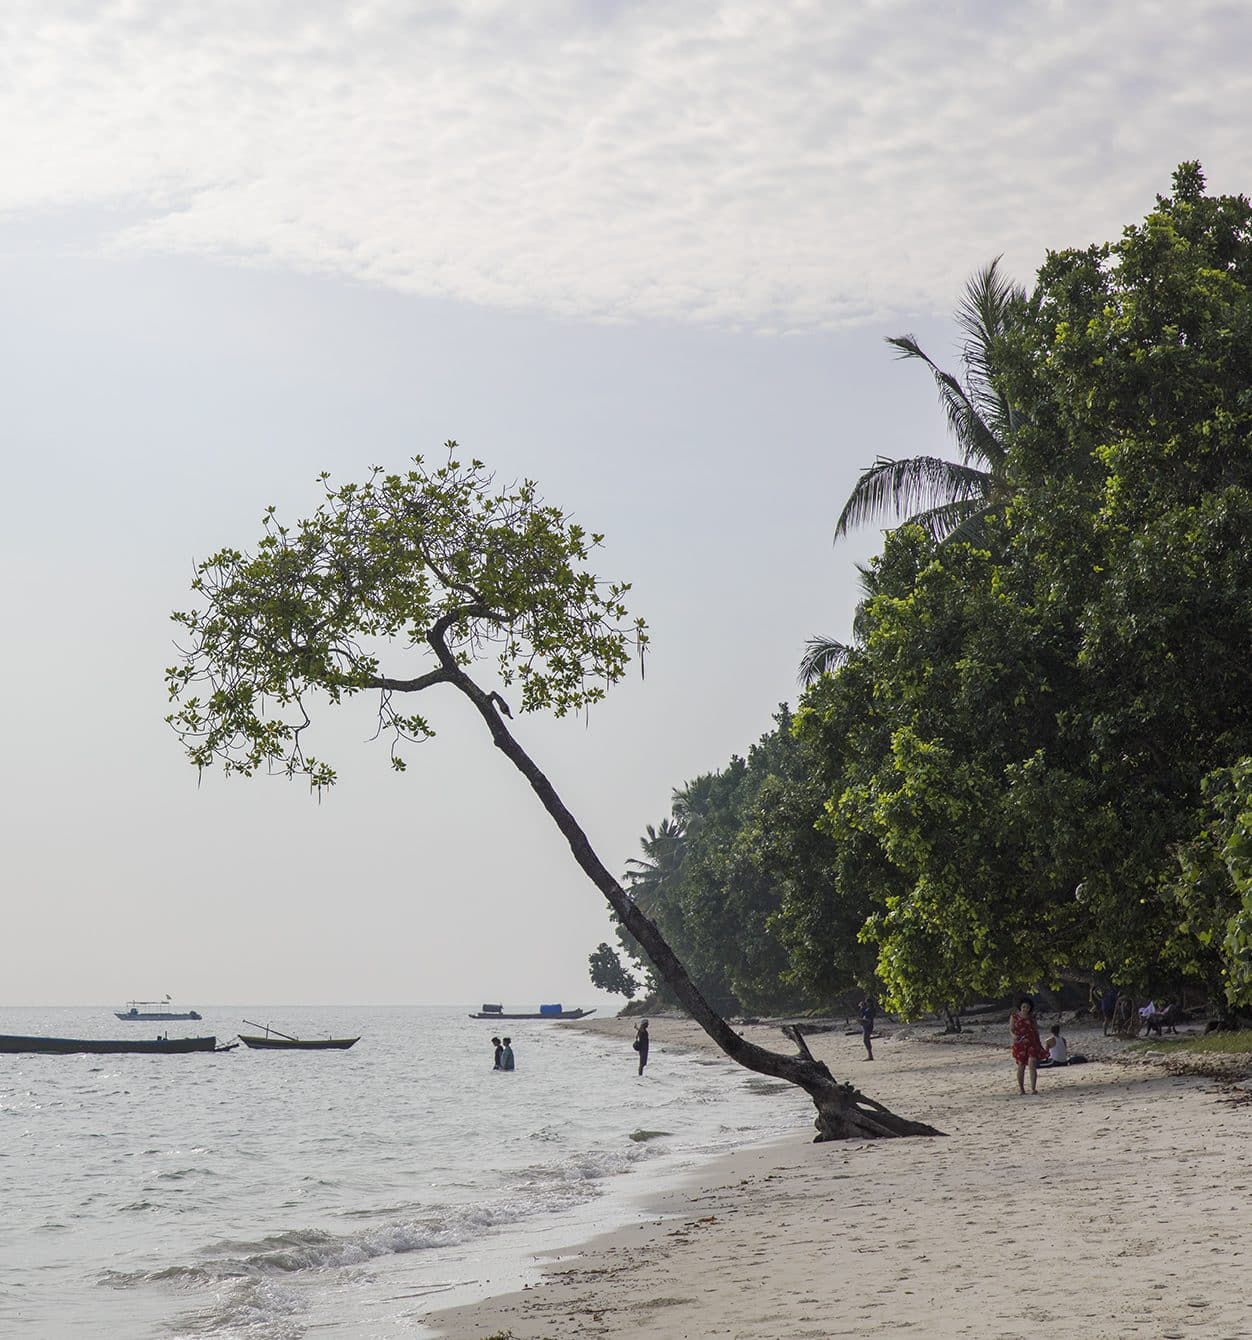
x=1027 y=1049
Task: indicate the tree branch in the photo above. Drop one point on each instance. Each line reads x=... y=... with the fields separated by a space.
x=425 y=681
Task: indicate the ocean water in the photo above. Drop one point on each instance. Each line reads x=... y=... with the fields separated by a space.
x=276 y=1196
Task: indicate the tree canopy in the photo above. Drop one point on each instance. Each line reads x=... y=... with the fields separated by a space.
x=1033 y=756
x=437 y=560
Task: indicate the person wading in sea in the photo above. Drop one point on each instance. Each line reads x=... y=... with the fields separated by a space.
x=495 y=1042
x=506 y=1055
x=640 y=1044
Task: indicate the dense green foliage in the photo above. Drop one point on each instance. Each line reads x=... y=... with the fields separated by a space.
x=1034 y=759
x=438 y=561
x=608 y=973
x=715 y=875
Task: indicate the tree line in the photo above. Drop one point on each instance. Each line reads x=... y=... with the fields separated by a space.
x=1032 y=760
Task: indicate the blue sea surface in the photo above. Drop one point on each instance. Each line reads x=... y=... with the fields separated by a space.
x=279 y=1195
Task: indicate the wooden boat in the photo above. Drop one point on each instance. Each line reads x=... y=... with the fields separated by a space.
x=273 y=1040
x=274 y=1043
x=498 y=1013
x=150 y=1010
x=66 y=1046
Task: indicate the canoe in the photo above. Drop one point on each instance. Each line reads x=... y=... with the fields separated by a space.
x=66 y=1046
x=274 y=1043
x=564 y=1014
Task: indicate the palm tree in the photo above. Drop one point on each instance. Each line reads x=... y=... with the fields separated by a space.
x=824 y=655
x=662 y=857
x=951 y=499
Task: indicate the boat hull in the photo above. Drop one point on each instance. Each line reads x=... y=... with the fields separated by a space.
x=11 y=1043
x=565 y=1014
x=133 y=1016
x=296 y=1044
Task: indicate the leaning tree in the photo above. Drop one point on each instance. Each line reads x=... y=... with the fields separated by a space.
x=442 y=563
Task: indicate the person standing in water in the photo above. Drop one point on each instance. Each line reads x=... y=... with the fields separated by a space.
x=867 y=1014
x=495 y=1042
x=506 y=1055
x=640 y=1044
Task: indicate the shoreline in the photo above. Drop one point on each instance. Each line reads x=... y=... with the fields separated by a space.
x=1117 y=1199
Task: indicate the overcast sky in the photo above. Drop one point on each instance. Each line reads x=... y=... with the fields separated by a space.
x=644 y=253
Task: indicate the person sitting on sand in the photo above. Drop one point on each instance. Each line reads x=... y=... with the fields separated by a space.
x=1159 y=1020
x=1058 y=1050
x=1057 y=1047
x=1027 y=1049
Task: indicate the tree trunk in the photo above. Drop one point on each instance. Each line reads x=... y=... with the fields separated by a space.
x=843 y=1112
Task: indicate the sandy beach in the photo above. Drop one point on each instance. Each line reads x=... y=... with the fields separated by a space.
x=1115 y=1203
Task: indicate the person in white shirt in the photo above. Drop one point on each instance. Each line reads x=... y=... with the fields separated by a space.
x=1058 y=1048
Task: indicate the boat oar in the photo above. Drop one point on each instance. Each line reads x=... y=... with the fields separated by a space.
x=269 y=1030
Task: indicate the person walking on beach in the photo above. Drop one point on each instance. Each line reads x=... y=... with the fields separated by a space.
x=1027 y=1049
x=506 y=1055
x=495 y=1042
x=640 y=1044
x=867 y=1013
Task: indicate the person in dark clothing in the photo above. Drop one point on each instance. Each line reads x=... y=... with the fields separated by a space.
x=506 y=1055
x=640 y=1044
x=867 y=1014
x=495 y=1042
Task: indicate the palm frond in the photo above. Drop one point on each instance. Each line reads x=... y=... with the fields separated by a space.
x=822 y=656
x=966 y=423
x=867 y=577
x=941 y=522
x=984 y=313
x=973 y=528
x=913 y=486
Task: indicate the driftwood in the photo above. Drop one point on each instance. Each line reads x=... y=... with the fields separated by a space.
x=846 y=1113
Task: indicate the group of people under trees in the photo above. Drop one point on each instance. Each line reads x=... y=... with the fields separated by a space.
x=1119 y=1014
x=1030 y=1052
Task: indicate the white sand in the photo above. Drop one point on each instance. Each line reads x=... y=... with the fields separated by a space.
x=1116 y=1203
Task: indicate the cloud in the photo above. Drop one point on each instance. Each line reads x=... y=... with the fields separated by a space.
x=781 y=166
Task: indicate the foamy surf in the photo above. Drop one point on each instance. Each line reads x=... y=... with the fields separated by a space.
x=332 y=1195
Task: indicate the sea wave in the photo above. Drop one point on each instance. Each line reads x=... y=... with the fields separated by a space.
x=258 y=1309
x=267 y=1204
x=540 y=1190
